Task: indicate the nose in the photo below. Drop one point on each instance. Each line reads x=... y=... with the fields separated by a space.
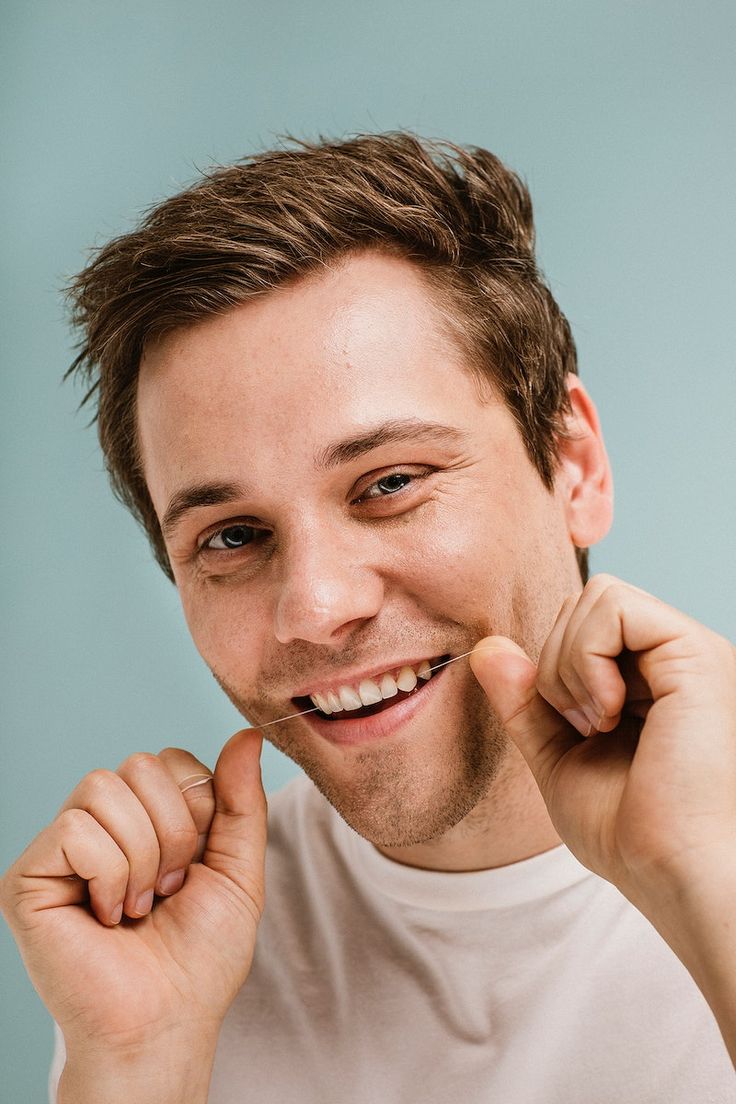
x=325 y=586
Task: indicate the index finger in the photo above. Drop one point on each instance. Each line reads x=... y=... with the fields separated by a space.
x=614 y=619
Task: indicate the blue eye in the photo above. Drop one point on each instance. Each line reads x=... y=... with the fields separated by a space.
x=234 y=536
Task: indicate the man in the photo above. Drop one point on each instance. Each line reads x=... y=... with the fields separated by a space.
x=336 y=392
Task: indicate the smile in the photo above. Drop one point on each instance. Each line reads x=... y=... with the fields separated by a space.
x=371 y=695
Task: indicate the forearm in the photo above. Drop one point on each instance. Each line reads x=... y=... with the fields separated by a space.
x=699 y=924
x=180 y=1074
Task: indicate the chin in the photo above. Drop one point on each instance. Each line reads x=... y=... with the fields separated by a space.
x=394 y=800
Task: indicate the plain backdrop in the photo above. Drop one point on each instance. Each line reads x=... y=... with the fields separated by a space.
x=619 y=115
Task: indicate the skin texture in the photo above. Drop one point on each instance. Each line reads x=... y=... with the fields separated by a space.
x=332 y=581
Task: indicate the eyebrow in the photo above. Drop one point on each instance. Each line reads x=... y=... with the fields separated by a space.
x=395 y=431
x=392 y=432
x=194 y=497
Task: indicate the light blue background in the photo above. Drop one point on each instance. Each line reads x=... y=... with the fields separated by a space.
x=620 y=115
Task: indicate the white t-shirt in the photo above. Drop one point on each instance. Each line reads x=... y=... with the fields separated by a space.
x=377 y=983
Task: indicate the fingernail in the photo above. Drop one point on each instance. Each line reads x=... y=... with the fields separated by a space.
x=144 y=902
x=172 y=881
x=116 y=914
x=579 y=721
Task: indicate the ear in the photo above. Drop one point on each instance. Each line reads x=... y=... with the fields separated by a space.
x=584 y=479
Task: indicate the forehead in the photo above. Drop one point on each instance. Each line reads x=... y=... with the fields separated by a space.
x=360 y=342
x=364 y=311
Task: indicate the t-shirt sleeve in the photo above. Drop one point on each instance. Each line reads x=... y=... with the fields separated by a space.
x=57 y=1064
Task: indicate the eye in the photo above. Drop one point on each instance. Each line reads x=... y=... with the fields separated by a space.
x=233 y=536
x=387 y=485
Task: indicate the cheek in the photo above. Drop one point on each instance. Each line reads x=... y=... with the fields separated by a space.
x=225 y=630
x=463 y=560
x=478 y=559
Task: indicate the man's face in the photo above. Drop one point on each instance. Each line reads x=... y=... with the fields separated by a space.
x=305 y=566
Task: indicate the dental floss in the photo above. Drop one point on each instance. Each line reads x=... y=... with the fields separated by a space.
x=201 y=781
x=314 y=708
x=208 y=778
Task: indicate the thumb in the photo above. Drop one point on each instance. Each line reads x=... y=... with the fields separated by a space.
x=509 y=678
x=236 y=845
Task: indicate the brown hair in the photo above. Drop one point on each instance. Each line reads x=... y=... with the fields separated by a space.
x=242 y=230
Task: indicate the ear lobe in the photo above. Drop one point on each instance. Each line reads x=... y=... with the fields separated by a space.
x=584 y=476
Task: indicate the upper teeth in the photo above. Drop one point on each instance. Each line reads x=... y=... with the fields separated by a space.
x=371 y=691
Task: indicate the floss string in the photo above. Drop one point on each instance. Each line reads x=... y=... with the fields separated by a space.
x=314 y=708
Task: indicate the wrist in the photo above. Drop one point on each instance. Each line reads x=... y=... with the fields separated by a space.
x=687 y=905
x=169 y=1071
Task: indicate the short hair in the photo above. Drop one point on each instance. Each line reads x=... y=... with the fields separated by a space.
x=244 y=229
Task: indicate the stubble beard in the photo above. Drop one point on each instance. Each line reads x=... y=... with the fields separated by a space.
x=393 y=797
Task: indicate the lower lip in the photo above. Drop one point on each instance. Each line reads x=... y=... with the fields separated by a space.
x=361 y=730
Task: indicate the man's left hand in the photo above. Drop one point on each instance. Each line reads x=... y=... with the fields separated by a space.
x=628 y=724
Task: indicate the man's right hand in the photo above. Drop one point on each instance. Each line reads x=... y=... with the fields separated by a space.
x=170 y=970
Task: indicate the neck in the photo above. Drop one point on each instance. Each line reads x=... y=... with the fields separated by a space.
x=510 y=824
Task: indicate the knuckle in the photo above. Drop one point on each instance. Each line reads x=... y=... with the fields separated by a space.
x=611 y=599
x=139 y=762
x=179 y=762
x=621 y=591
x=73 y=821
x=601 y=581
x=722 y=647
x=100 y=780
